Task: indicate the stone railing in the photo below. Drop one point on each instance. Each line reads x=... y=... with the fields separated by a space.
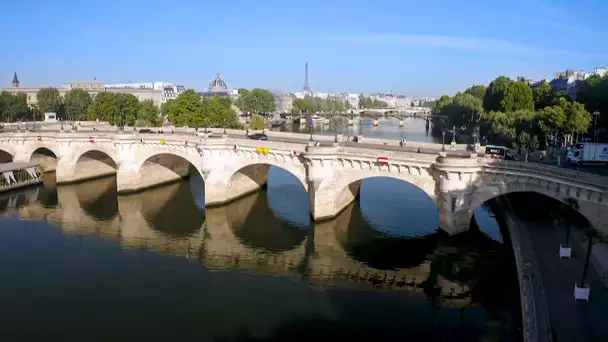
x=548 y=170
x=367 y=153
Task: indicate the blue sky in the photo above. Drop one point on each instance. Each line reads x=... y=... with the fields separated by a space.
x=422 y=48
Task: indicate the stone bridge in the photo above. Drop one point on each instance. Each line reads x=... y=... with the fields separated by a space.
x=163 y=220
x=331 y=175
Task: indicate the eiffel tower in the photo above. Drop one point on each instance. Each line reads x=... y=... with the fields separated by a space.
x=306 y=86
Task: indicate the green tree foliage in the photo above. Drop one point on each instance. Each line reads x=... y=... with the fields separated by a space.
x=577 y=118
x=442 y=102
x=49 y=100
x=518 y=96
x=257 y=101
x=13 y=107
x=495 y=94
x=257 y=122
x=116 y=108
x=516 y=115
x=552 y=120
x=217 y=114
x=311 y=104
x=76 y=104
x=543 y=96
x=188 y=109
x=367 y=103
x=149 y=114
x=463 y=110
x=593 y=94
x=479 y=91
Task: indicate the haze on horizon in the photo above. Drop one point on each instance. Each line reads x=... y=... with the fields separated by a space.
x=421 y=48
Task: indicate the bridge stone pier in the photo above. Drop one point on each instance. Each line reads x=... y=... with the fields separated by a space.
x=234 y=167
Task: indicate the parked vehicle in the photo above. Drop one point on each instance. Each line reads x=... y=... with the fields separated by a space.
x=258 y=136
x=499 y=152
x=582 y=153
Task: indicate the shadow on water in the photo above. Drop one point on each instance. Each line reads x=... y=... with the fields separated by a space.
x=171 y=209
x=256 y=225
x=98 y=198
x=464 y=290
x=364 y=243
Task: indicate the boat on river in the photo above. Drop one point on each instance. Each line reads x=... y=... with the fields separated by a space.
x=16 y=175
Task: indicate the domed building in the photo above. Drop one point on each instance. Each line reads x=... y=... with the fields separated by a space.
x=218 y=88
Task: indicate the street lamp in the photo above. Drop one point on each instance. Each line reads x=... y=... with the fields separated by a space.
x=336 y=131
x=454 y=135
x=595 y=114
x=311 y=127
x=443 y=141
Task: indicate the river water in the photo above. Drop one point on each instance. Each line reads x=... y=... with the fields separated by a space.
x=414 y=129
x=80 y=263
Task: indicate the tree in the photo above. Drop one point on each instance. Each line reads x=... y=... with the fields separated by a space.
x=217 y=114
x=165 y=107
x=257 y=122
x=479 y=91
x=347 y=105
x=243 y=91
x=258 y=101
x=103 y=108
x=13 y=107
x=588 y=92
x=116 y=108
x=149 y=114
x=128 y=109
x=543 y=96
x=186 y=109
x=463 y=109
x=76 y=104
x=552 y=120
x=49 y=100
x=517 y=96
x=577 y=118
x=492 y=101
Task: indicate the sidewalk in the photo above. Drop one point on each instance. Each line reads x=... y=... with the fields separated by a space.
x=572 y=321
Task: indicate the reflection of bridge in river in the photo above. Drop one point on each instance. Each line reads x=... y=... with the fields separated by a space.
x=247 y=235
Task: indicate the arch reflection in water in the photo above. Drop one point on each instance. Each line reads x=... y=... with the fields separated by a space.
x=397 y=207
x=372 y=246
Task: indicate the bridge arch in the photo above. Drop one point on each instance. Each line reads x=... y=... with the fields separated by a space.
x=94 y=163
x=5 y=156
x=159 y=168
x=246 y=170
x=487 y=192
x=46 y=157
x=333 y=195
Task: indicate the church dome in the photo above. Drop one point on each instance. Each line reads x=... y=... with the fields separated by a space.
x=218 y=84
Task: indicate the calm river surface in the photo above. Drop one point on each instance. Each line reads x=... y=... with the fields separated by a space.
x=414 y=129
x=80 y=263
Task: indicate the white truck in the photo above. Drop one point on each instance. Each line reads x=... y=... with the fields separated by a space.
x=582 y=153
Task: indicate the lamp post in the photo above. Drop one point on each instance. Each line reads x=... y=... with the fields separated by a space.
x=311 y=130
x=443 y=141
x=453 y=134
x=595 y=114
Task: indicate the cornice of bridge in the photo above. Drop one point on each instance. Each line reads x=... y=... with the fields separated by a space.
x=546 y=173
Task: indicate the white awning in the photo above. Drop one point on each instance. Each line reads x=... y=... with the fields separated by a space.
x=8 y=176
x=32 y=172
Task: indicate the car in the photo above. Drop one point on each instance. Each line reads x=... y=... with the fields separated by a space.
x=258 y=136
x=145 y=130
